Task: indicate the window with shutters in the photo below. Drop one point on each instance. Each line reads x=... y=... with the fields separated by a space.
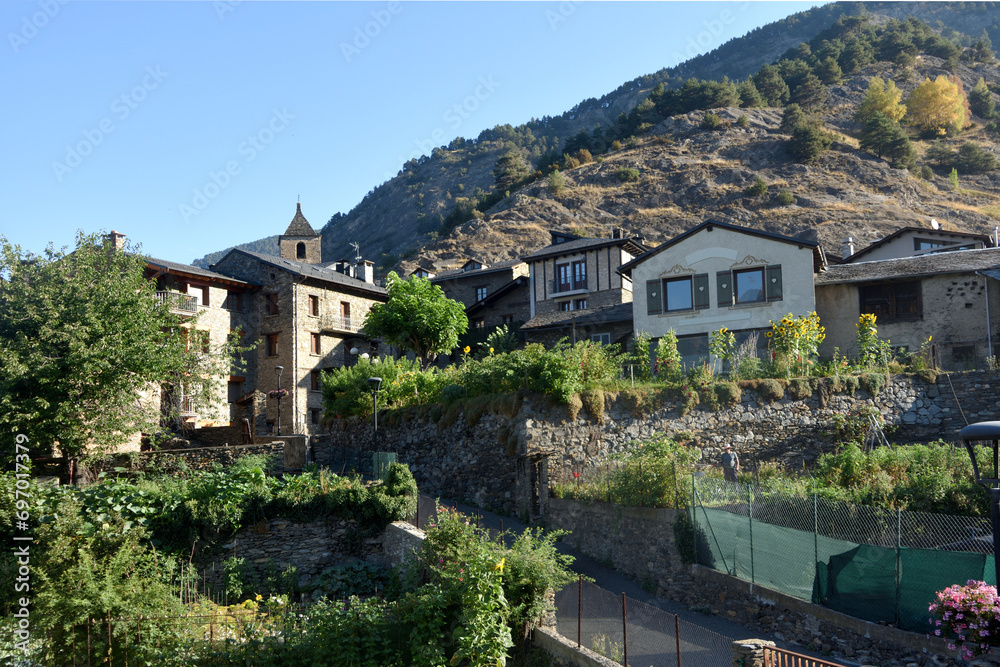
x=315 y=343
x=749 y=286
x=314 y=305
x=687 y=293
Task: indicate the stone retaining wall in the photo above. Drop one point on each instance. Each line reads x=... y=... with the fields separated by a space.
x=501 y=462
x=202 y=458
x=216 y=436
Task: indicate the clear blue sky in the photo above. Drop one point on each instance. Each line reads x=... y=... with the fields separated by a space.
x=193 y=126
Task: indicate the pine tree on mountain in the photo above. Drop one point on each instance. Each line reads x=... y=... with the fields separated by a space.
x=857 y=53
x=510 y=170
x=885 y=138
x=810 y=94
x=981 y=100
x=750 y=97
x=808 y=141
x=771 y=86
x=829 y=71
x=793 y=116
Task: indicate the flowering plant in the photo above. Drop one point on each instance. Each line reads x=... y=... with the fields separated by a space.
x=277 y=393
x=968 y=616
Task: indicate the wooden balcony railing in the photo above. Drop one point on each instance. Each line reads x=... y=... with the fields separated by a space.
x=779 y=657
x=179 y=303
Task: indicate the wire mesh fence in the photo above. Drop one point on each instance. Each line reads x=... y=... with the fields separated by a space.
x=627 y=630
x=879 y=565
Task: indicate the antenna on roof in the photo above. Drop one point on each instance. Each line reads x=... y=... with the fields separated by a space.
x=935 y=224
x=357 y=251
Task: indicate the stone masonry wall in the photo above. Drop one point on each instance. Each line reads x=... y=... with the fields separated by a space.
x=202 y=458
x=491 y=463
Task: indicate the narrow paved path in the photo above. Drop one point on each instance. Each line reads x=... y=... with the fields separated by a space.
x=617 y=583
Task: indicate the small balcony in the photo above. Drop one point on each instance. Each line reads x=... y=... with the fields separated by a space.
x=181 y=304
x=571 y=287
x=349 y=324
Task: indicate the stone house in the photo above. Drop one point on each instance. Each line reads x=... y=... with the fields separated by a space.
x=493 y=295
x=576 y=274
x=721 y=275
x=945 y=296
x=212 y=305
x=306 y=317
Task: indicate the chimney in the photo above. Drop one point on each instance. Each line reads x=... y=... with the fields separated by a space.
x=366 y=271
x=116 y=240
x=617 y=233
x=848 y=249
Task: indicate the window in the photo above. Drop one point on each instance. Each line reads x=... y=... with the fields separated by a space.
x=757 y=285
x=314 y=305
x=479 y=323
x=345 y=314
x=233 y=300
x=892 y=302
x=579 y=275
x=693 y=349
x=580 y=304
x=272 y=304
x=508 y=319
x=204 y=341
x=315 y=343
x=565 y=306
x=678 y=295
x=235 y=391
x=671 y=295
x=564 y=282
x=271 y=345
x=314 y=380
x=602 y=338
x=300 y=250
x=199 y=292
x=480 y=293
x=314 y=415
x=963 y=358
x=749 y=286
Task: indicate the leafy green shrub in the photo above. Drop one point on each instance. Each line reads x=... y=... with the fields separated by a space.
x=710 y=121
x=758 y=188
x=345 y=388
x=785 y=198
x=728 y=393
x=926 y=172
x=627 y=174
x=355 y=577
x=770 y=390
x=743 y=121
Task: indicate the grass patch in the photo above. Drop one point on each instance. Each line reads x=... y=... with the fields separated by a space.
x=593 y=401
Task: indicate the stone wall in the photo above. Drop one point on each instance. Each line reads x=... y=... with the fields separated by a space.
x=501 y=462
x=202 y=458
x=217 y=436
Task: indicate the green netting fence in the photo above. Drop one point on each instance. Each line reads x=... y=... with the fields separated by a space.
x=878 y=565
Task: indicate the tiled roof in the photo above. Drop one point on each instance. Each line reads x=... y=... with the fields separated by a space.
x=619 y=312
x=299 y=226
x=192 y=270
x=578 y=245
x=314 y=271
x=458 y=273
x=957 y=261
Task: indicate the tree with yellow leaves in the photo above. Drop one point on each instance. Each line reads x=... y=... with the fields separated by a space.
x=937 y=107
x=881 y=98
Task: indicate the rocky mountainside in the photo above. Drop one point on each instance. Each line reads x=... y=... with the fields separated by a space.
x=686 y=174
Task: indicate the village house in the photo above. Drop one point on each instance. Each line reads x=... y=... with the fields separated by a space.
x=493 y=295
x=721 y=275
x=307 y=317
x=577 y=292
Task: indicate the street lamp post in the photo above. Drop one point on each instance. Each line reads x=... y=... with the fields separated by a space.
x=277 y=371
x=989 y=432
x=375 y=383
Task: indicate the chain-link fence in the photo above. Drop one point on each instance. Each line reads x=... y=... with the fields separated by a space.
x=879 y=565
x=617 y=626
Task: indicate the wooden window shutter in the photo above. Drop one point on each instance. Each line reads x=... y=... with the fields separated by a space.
x=724 y=285
x=700 y=285
x=772 y=282
x=654 y=297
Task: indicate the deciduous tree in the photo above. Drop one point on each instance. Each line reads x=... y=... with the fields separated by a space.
x=417 y=317
x=937 y=107
x=881 y=98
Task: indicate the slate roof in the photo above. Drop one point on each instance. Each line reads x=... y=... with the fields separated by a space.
x=314 y=271
x=920 y=230
x=458 y=273
x=819 y=259
x=956 y=261
x=619 y=312
x=579 y=245
x=192 y=270
x=299 y=226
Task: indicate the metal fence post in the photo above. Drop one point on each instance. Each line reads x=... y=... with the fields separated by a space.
x=677 y=637
x=694 y=520
x=624 y=631
x=899 y=562
x=750 y=518
x=815 y=529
